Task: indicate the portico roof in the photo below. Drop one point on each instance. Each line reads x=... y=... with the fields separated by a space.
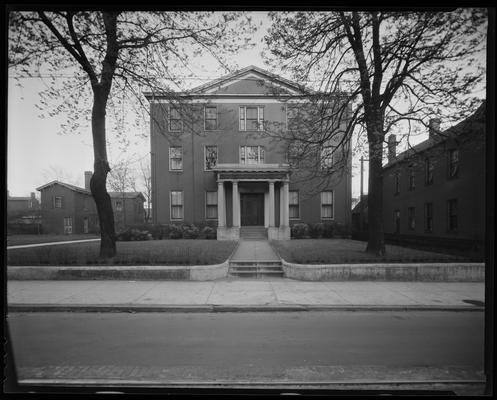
x=252 y=171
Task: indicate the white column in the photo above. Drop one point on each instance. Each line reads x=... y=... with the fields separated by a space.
x=271 y=204
x=286 y=205
x=221 y=208
x=236 y=205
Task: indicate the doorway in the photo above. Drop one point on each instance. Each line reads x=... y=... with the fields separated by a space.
x=252 y=209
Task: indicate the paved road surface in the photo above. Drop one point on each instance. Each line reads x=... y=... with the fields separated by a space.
x=249 y=347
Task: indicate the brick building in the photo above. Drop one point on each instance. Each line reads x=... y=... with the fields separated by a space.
x=221 y=166
x=435 y=192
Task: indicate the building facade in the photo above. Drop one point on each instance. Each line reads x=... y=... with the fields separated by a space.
x=68 y=209
x=216 y=162
x=435 y=192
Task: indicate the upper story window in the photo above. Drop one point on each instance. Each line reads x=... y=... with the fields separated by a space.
x=175 y=122
x=429 y=168
x=326 y=161
x=210 y=157
x=58 y=201
x=412 y=179
x=210 y=118
x=175 y=158
x=291 y=118
x=453 y=163
x=251 y=155
x=397 y=182
x=251 y=118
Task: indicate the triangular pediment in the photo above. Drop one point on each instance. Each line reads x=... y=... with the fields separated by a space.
x=251 y=81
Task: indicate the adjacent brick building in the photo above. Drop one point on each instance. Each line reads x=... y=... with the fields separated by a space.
x=221 y=166
x=435 y=192
x=68 y=209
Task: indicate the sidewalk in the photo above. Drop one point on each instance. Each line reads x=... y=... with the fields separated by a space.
x=278 y=294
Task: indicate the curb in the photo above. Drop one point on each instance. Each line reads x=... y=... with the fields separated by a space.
x=213 y=308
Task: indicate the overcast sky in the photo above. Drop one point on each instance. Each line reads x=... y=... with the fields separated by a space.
x=35 y=150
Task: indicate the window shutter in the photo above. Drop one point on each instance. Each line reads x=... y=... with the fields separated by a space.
x=53 y=201
x=61 y=201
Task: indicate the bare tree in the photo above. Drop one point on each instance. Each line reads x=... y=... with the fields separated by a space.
x=145 y=183
x=109 y=55
x=390 y=70
x=58 y=173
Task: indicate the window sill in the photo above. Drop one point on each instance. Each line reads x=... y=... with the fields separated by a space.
x=176 y=170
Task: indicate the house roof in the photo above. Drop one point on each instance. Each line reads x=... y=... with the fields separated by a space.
x=474 y=123
x=202 y=90
x=126 y=195
x=66 y=185
x=357 y=207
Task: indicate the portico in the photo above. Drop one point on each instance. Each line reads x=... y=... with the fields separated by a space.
x=253 y=195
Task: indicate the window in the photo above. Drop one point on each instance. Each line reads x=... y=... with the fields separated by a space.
x=429 y=171
x=211 y=205
x=251 y=118
x=291 y=118
x=452 y=215
x=397 y=182
x=67 y=225
x=412 y=179
x=210 y=157
x=175 y=122
x=429 y=217
x=85 y=204
x=396 y=220
x=119 y=205
x=327 y=157
x=210 y=118
x=411 y=218
x=327 y=205
x=453 y=163
x=176 y=205
x=251 y=155
x=293 y=201
x=175 y=158
x=58 y=202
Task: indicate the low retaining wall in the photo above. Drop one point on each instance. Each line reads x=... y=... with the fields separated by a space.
x=142 y=273
x=429 y=272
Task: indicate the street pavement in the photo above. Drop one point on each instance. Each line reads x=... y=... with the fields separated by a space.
x=242 y=295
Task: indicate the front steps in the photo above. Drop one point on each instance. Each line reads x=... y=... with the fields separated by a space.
x=253 y=233
x=255 y=269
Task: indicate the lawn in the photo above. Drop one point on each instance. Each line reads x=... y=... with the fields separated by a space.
x=153 y=252
x=338 y=251
x=16 y=240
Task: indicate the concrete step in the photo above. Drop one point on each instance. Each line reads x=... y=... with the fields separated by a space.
x=258 y=269
x=253 y=232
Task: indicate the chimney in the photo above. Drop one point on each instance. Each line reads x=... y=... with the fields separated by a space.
x=434 y=127
x=88 y=175
x=392 y=147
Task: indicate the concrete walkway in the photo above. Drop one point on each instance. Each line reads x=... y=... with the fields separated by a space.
x=242 y=295
x=254 y=250
x=22 y=246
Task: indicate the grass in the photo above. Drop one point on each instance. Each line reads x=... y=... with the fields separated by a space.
x=343 y=251
x=16 y=240
x=153 y=252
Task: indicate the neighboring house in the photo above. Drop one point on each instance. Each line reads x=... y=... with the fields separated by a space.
x=128 y=208
x=361 y=208
x=19 y=207
x=435 y=192
x=222 y=167
x=67 y=209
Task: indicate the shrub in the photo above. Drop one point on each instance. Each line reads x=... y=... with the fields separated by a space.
x=133 y=234
x=299 y=231
x=190 y=231
x=209 y=232
x=316 y=230
x=328 y=229
x=175 y=232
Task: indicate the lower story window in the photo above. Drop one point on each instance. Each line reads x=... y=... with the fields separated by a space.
x=294 y=204
x=211 y=205
x=452 y=215
x=411 y=218
x=429 y=217
x=327 y=205
x=176 y=205
x=67 y=224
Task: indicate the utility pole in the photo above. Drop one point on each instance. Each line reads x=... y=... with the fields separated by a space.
x=361 y=199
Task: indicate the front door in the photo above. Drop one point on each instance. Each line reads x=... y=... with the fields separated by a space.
x=85 y=225
x=252 y=209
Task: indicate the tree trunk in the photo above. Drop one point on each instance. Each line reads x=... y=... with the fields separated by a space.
x=98 y=182
x=376 y=240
